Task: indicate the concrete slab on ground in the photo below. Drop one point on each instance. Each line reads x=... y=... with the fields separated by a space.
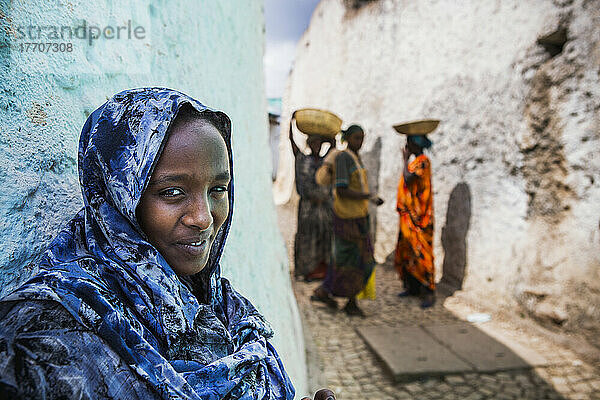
x=443 y=349
x=483 y=352
x=410 y=352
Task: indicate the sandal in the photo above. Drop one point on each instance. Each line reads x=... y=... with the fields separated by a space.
x=328 y=300
x=353 y=311
x=428 y=302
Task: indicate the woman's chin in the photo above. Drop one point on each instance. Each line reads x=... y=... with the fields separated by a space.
x=187 y=269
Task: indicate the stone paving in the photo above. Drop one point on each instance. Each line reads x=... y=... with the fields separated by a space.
x=339 y=359
x=347 y=366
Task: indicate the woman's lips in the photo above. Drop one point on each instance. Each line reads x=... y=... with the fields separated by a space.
x=193 y=248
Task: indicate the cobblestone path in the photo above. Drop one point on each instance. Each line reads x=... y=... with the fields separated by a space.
x=339 y=359
x=342 y=361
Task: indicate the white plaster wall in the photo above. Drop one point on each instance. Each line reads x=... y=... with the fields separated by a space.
x=476 y=66
x=210 y=50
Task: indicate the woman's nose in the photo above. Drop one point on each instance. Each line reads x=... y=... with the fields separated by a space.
x=198 y=213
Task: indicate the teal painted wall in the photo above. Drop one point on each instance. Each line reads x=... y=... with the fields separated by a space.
x=211 y=50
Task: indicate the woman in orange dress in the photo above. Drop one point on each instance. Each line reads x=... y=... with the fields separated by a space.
x=414 y=251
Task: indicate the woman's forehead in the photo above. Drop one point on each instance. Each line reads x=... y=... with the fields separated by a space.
x=195 y=142
x=195 y=131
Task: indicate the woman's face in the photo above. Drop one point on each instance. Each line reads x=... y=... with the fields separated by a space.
x=186 y=200
x=355 y=140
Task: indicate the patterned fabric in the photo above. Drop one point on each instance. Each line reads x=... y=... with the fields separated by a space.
x=51 y=354
x=353 y=260
x=151 y=334
x=350 y=173
x=312 y=245
x=414 y=251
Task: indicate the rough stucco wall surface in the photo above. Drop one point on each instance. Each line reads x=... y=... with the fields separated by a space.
x=210 y=50
x=516 y=154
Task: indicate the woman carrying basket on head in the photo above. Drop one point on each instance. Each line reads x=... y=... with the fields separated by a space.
x=312 y=243
x=414 y=251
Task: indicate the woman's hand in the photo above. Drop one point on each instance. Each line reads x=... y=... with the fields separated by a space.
x=322 y=394
x=376 y=200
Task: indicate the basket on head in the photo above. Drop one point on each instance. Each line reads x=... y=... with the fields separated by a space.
x=313 y=121
x=420 y=127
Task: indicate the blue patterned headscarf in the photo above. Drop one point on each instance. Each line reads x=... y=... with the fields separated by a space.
x=192 y=338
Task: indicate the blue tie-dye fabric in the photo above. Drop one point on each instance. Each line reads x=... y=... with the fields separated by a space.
x=191 y=339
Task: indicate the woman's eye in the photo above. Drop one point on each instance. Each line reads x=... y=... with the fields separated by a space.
x=219 y=190
x=171 y=192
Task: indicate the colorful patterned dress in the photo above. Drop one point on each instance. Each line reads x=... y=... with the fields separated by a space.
x=312 y=245
x=414 y=251
x=353 y=260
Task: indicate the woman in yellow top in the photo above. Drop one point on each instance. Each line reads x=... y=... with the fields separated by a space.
x=414 y=251
x=352 y=260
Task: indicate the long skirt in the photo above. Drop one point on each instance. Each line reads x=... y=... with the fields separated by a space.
x=414 y=257
x=352 y=261
x=312 y=244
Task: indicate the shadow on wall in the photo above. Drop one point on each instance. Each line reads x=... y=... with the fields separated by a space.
x=454 y=238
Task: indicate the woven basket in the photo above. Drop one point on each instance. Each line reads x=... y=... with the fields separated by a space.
x=421 y=127
x=312 y=121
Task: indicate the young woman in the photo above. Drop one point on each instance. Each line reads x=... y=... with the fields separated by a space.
x=129 y=302
x=353 y=260
x=414 y=251
x=312 y=244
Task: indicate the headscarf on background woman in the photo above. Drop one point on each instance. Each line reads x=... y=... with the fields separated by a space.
x=106 y=316
x=414 y=258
